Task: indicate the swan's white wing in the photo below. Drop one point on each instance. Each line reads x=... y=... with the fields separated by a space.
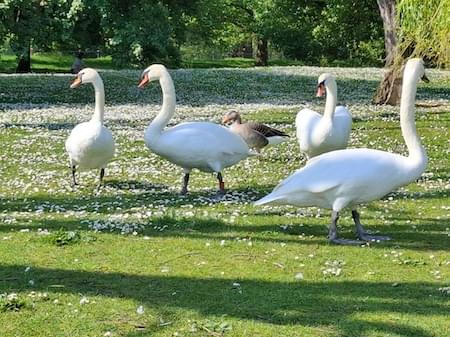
x=90 y=145
x=354 y=175
x=202 y=145
x=305 y=122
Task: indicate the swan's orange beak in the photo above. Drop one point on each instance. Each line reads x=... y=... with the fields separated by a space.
x=225 y=120
x=76 y=82
x=320 y=90
x=143 y=82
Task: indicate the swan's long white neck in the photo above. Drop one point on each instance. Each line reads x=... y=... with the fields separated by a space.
x=167 y=110
x=99 y=100
x=322 y=131
x=416 y=151
x=331 y=100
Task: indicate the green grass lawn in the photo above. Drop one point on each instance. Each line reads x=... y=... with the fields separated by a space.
x=137 y=259
x=52 y=63
x=58 y=63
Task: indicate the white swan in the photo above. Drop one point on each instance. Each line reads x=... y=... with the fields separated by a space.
x=208 y=147
x=346 y=178
x=90 y=145
x=317 y=134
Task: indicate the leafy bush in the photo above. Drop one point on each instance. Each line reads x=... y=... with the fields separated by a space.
x=63 y=238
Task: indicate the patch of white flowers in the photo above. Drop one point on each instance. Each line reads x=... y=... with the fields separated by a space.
x=333 y=268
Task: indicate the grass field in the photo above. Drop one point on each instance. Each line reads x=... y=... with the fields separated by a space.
x=52 y=62
x=137 y=259
x=58 y=63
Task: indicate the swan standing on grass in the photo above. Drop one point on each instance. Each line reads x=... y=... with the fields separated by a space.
x=90 y=145
x=255 y=134
x=346 y=178
x=318 y=134
x=208 y=147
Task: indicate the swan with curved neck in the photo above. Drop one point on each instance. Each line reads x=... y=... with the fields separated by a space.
x=90 y=145
x=208 y=147
x=318 y=134
x=346 y=178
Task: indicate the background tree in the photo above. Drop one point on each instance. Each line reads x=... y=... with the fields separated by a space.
x=349 y=30
x=422 y=29
x=138 y=32
x=31 y=23
x=250 y=17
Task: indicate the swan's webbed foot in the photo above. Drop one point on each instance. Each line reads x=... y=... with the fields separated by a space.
x=361 y=232
x=333 y=233
x=219 y=194
x=371 y=238
x=346 y=242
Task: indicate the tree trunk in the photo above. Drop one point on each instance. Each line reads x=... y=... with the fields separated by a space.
x=387 y=12
x=389 y=89
x=262 y=52
x=24 y=64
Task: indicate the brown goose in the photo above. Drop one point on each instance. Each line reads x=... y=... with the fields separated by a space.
x=255 y=134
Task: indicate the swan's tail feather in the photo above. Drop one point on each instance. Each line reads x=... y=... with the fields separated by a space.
x=270 y=198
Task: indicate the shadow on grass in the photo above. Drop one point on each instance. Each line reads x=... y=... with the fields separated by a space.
x=48 y=126
x=425 y=234
x=308 y=303
x=194 y=88
x=141 y=194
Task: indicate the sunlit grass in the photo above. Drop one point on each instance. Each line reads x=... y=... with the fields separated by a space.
x=139 y=260
x=52 y=62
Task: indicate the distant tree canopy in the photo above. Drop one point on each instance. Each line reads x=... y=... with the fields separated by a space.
x=143 y=31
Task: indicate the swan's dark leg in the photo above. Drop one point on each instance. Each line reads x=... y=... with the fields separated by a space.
x=333 y=232
x=221 y=183
x=102 y=175
x=184 y=189
x=361 y=232
x=74 y=181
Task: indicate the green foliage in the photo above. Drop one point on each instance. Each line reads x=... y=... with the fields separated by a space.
x=425 y=29
x=312 y=31
x=350 y=30
x=63 y=238
x=139 y=32
x=32 y=22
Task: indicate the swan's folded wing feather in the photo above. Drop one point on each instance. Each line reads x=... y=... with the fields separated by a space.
x=265 y=130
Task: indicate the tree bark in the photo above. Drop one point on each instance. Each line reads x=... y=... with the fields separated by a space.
x=389 y=90
x=262 y=52
x=387 y=12
x=24 y=63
